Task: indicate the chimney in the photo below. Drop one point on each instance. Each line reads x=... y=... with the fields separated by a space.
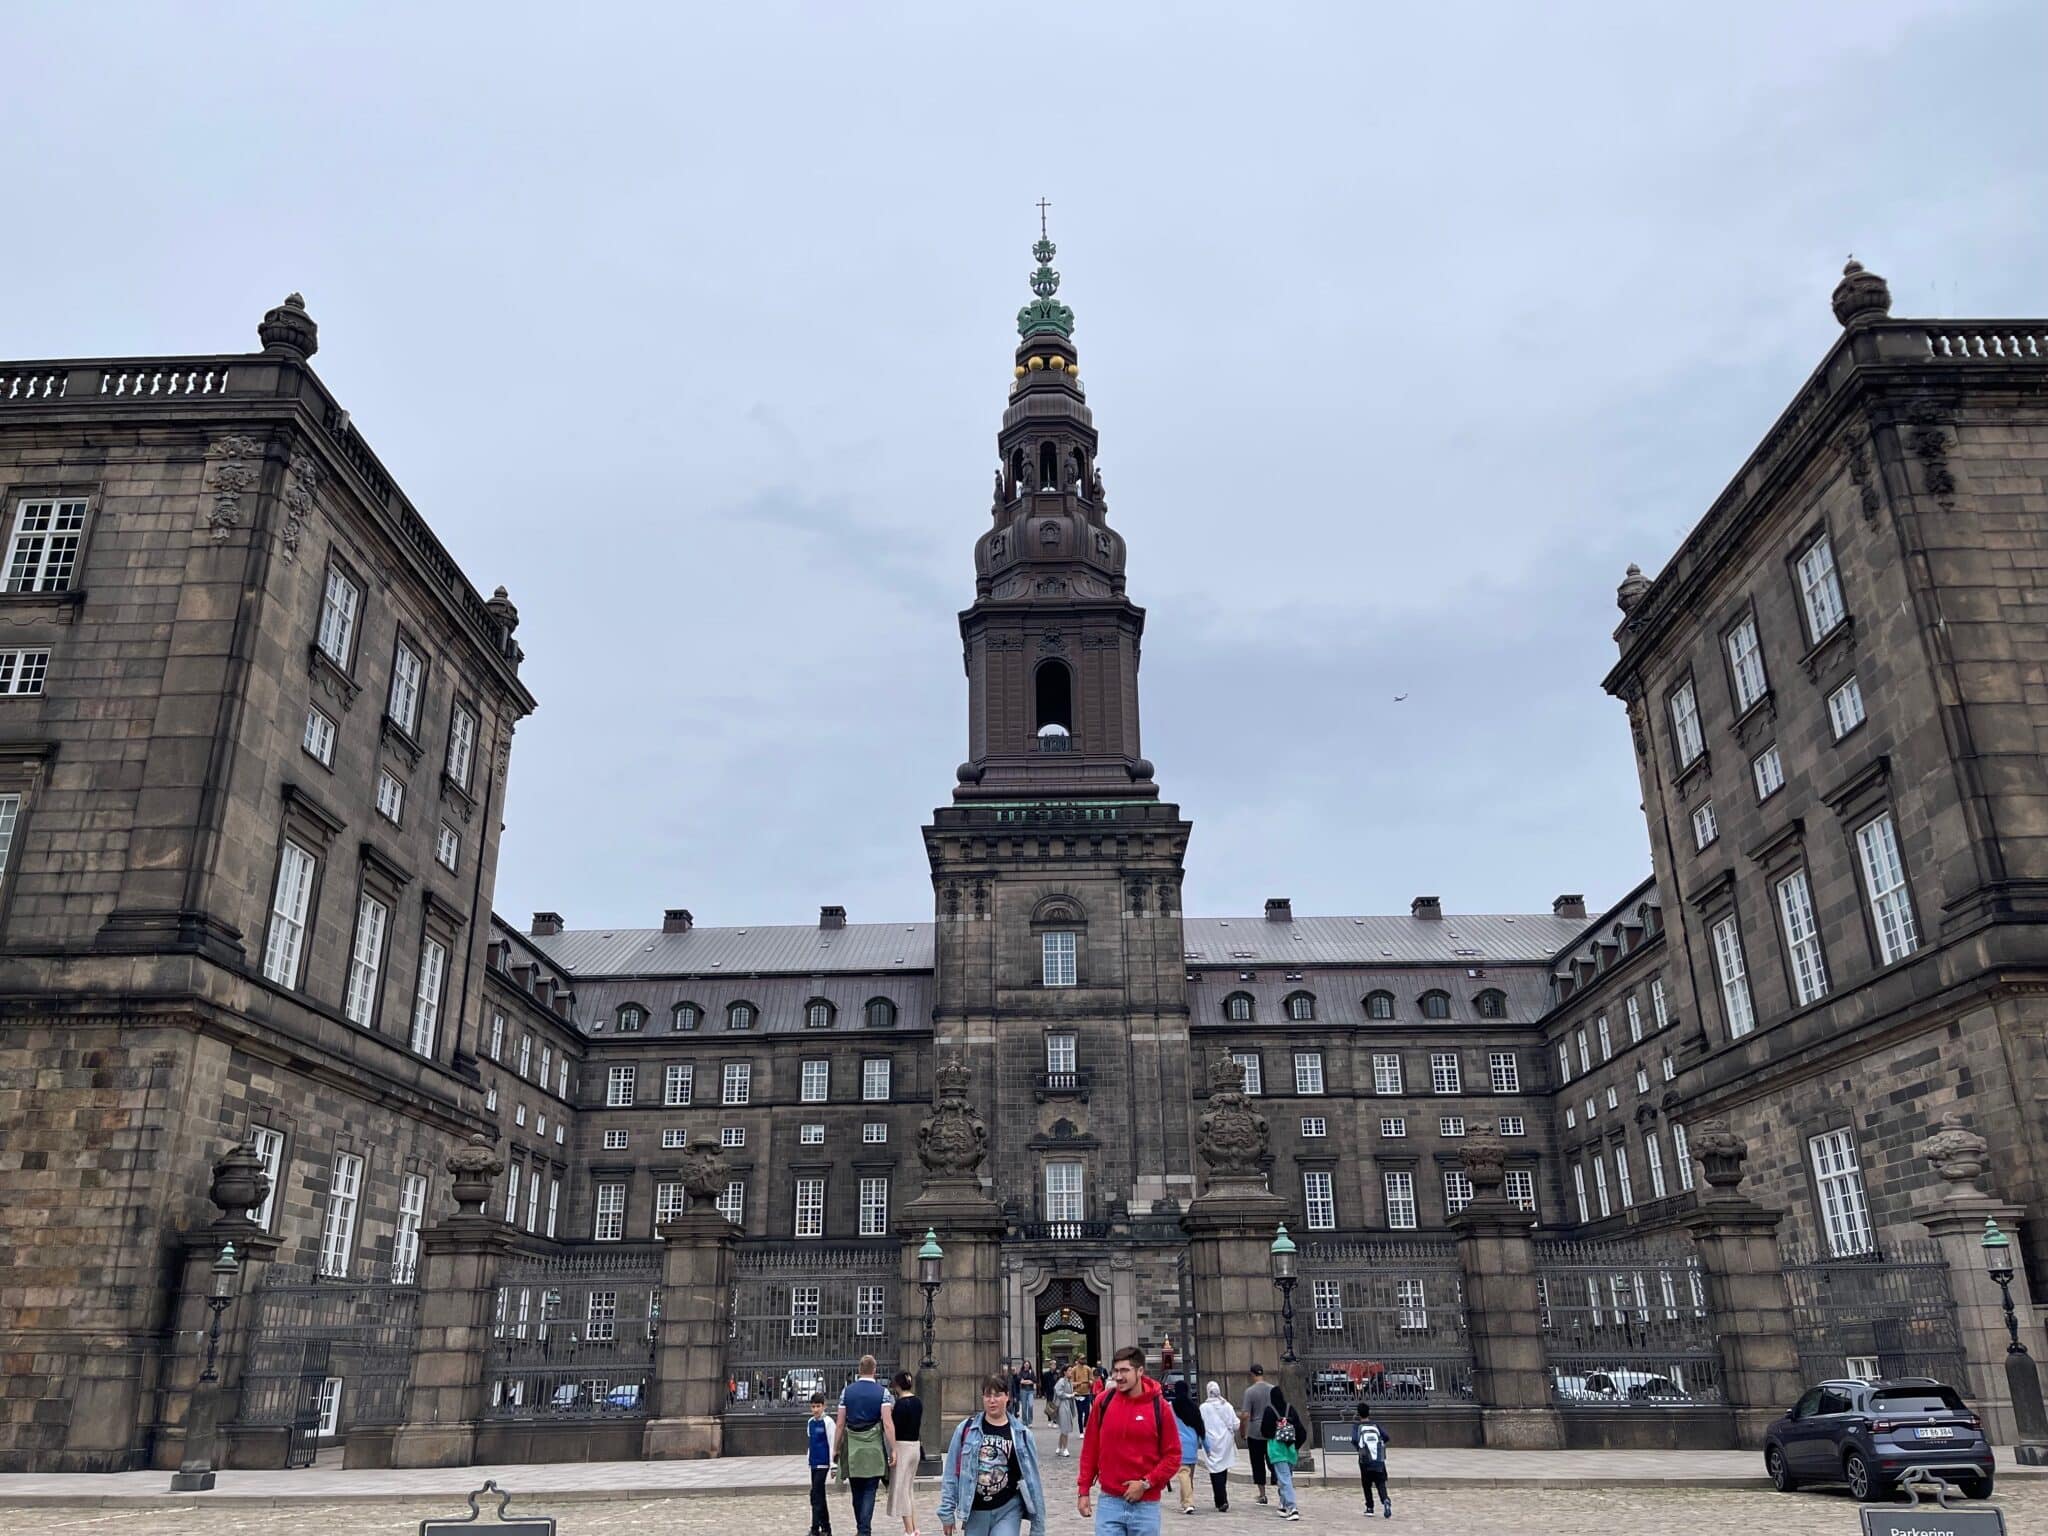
x=546 y=924
x=676 y=920
x=1569 y=906
x=1427 y=907
x=831 y=917
x=1279 y=909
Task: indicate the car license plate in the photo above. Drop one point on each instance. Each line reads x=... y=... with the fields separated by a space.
x=1936 y=1434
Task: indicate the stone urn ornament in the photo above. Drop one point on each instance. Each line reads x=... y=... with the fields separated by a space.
x=1721 y=1153
x=1958 y=1154
x=240 y=1184
x=476 y=1167
x=1485 y=1157
x=1231 y=1135
x=953 y=1140
x=704 y=1175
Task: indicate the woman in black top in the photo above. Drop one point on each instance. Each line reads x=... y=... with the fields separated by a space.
x=904 y=1415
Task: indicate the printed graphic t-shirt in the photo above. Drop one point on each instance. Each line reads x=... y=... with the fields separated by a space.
x=995 y=1469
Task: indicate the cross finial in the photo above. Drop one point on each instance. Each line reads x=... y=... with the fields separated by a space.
x=1042 y=206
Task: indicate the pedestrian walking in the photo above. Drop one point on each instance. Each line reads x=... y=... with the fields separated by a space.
x=1066 y=1411
x=865 y=1448
x=990 y=1483
x=1027 y=1393
x=1219 y=1443
x=1131 y=1452
x=903 y=1419
x=1284 y=1434
x=1189 y=1417
x=820 y=1440
x=1252 y=1412
x=1370 y=1441
x=1084 y=1392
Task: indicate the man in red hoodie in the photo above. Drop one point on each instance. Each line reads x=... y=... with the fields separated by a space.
x=1132 y=1448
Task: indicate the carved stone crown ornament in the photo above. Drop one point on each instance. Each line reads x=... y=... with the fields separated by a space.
x=1231 y=1135
x=1958 y=1154
x=1485 y=1157
x=953 y=1140
x=703 y=1173
x=240 y=1183
x=476 y=1167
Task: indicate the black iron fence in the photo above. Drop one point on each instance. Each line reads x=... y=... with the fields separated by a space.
x=1383 y=1319
x=802 y=1316
x=572 y=1335
x=1888 y=1312
x=327 y=1354
x=1625 y=1322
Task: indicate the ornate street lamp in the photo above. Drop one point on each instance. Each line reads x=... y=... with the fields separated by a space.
x=2022 y=1379
x=1285 y=1277
x=931 y=1259
x=195 y=1472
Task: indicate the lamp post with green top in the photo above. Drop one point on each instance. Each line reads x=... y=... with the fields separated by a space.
x=2022 y=1378
x=1285 y=1276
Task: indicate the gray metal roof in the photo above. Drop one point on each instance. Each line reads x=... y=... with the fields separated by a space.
x=1340 y=991
x=779 y=1002
x=791 y=949
x=1454 y=939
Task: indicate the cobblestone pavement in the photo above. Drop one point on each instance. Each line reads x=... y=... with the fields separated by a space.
x=1674 y=1511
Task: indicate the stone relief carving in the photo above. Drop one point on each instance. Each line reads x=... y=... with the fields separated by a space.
x=240 y=466
x=703 y=1172
x=953 y=1140
x=1928 y=438
x=1052 y=643
x=1231 y=1135
x=1856 y=450
x=1137 y=898
x=301 y=484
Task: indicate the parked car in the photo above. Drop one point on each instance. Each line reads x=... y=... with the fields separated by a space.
x=1869 y=1433
x=1332 y=1384
x=1620 y=1386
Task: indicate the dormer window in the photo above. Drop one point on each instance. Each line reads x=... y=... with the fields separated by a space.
x=1436 y=1005
x=881 y=1013
x=631 y=1018
x=817 y=1014
x=740 y=1016
x=1491 y=1004
x=1237 y=1008
x=1379 y=1005
x=686 y=1016
x=1301 y=1007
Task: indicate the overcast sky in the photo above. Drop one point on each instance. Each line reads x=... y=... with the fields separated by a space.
x=1406 y=328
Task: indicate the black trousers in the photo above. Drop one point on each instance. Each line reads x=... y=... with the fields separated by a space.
x=1261 y=1472
x=1219 y=1488
x=1374 y=1477
x=821 y=1512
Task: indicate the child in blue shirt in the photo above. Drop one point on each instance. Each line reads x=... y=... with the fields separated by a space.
x=820 y=1430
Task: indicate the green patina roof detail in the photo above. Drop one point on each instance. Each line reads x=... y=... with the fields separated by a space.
x=1045 y=313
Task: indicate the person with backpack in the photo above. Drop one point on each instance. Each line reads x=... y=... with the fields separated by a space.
x=1131 y=1451
x=1252 y=1413
x=1189 y=1419
x=1371 y=1443
x=1285 y=1435
x=990 y=1481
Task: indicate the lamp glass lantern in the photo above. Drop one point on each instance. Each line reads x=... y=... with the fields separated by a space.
x=1284 y=1254
x=226 y=1271
x=1998 y=1261
x=930 y=1259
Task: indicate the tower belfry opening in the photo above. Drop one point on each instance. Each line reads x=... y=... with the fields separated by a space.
x=1054 y=687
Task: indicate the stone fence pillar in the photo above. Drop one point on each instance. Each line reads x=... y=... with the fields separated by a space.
x=1747 y=1299
x=693 y=1345
x=1510 y=1374
x=459 y=1262
x=1230 y=1228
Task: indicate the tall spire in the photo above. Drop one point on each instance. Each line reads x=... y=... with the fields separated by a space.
x=1045 y=313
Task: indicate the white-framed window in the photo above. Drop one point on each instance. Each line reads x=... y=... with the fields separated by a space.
x=540 y=1124
x=671 y=1200
x=732 y=1205
x=1457 y=1191
x=319 y=738
x=447 y=848
x=1237 y=1008
x=601 y=1317
x=1314 y=1126
x=803 y=1311
x=1685 y=724
x=737 y=1085
x=1579 y=1189
x=870 y=1311
x=1520 y=1189
x=875 y=1133
x=1845 y=708
x=328 y=1407
x=1326 y=1299
x=1451 y=1125
x=1820 y=588
x=461 y=745
x=1734 y=974
x=678 y=1082
x=1444 y=1076
x=340 y=601
x=810 y=1135
x=1571 y=1117
x=562 y=1076
x=519 y=1116
x=390 y=797
x=616 y=1141
x=816 y=1083
x=1642 y=1080
x=42 y=551
x=1301 y=1007
x=1861 y=1367
x=1657 y=1001
x=547 y=1062
x=740 y=1016
x=1503 y=1072
x=1802 y=937
x=426 y=1002
x=1839 y=1179
x=1400 y=1187
x=1308 y=1071
x=338 y=1228
x=1621 y=1178
x=732 y=1135
x=533 y=1200
x=810 y=1208
x=817 y=1015
x=1061 y=1052
x=1513 y=1125
x=1413 y=1301
x=1564 y=1061
x=1254 y=1071
x=1064 y=1200
x=287 y=938
x=1600 y=1186
x=1884 y=881
x=491 y=1097
x=366 y=960
x=1613 y=1098
x=1681 y=1154
x=554 y=1203
x=497 y=1037
x=1653 y=1159
x=618 y=1087
x=1056 y=955
x=403 y=702
x=1386 y=1072
x=268 y=1145
x=1320 y=1199
x=1746 y=664
x=1769 y=770
x=1670 y=1070
x=874 y=1079
x=1635 y=1018
x=1606 y=1038
x=1592 y=1109
x=525 y=1055
x=610 y=1225
x=685 y=1016
x=874 y=1206
x=673 y=1136
x=1394 y=1125
x=1704 y=827
x=1585 y=1051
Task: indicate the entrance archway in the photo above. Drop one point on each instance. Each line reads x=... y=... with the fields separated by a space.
x=1068 y=1324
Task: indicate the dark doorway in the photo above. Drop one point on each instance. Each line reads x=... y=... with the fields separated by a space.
x=1069 y=1325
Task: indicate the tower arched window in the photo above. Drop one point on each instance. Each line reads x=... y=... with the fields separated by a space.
x=817 y=1014
x=740 y=1016
x=881 y=1013
x=1048 y=466
x=1017 y=472
x=1436 y=1005
x=1301 y=1006
x=1238 y=1008
x=1053 y=694
x=1379 y=1005
x=1492 y=1004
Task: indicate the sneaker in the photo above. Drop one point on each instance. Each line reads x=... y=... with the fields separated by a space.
x=1388 y=1511
x=1290 y=1514
x=1262 y=1495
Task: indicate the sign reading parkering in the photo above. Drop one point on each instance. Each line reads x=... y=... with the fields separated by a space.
x=472 y=1523
x=1931 y=1520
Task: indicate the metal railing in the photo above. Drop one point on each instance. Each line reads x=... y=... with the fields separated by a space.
x=802 y=1316
x=1888 y=1312
x=1625 y=1323
x=1382 y=1319
x=573 y=1335
x=308 y=1330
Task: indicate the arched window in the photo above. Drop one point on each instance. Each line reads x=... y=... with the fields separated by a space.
x=881 y=1013
x=1054 y=690
x=685 y=1016
x=1238 y=1008
x=1436 y=1005
x=740 y=1016
x=1379 y=1005
x=1492 y=1004
x=817 y=1014
x=631 y=1017
x=1301 y=1006
x=1017 y=472
x=1048 y=466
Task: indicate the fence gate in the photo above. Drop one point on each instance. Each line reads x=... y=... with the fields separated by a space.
x=802 y=1316
x=572 y=1336
x=327 y=1355
x=1383 y=1318
x=1625 y=1322
x=1888 y=1312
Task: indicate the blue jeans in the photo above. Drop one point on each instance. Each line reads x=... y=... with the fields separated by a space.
x=863 y=1502
x=1283 y=1475
x=1122 y=1517
x=1006 y=1521
x=1024 y=1399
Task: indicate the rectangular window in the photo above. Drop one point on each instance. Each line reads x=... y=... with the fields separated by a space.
x=1444 y=1076
x=812 y=1135
x=1579 y=1189
x=1802 y=938
x=1564 y=1061
x=816 y=1083
x=803 y=1311
x=674 y=1136
x=1254 y=1071
x=1845 y=708
x=732 y=1135
x=1400 y=1186
x=1613 y=1099
x=1513 y=1125
x=1820 y=589
x=1413 y=1302
x=42 y=554
x=1056 y=951
x=319 y=738
x=287 y=937
x=732 y=1205
x=491 y=1097
x=1451 y=1125
x=1308 y=1071
x=403 y=704
x=268 y=1146
x=338 y=605
x=390 y=797
x=1314 y=1126
x=1642 y=1079
x=670 y=1202
x=677 y=1083
x=525 y=1055
x=1606 y=1039
x=547 y=1063
x=1840 y=1180
x=366 y=961
x=1060 y=1054
x=1585 y=1052
x=1653 y=1159
x=1321 y=1201
x=1327 y=1299
x=533 y=1200
x=1600 y=1186
x=611 y=1213
x=875 y=1133
x=1503 y=1073
x=1063 y=1197
x=1670 y=1070
x=1520 y=1189
x=1628 y=1191
x=1386 y=1073
x=1682 y=1156
x=1657 y=1001
x=601 y=1317
x=562 y=1076
x=1884 y=881
x=1685 y=725
x=618 y=1087
x=426 y=1002
x=738 y=1083
x=1769 y=769
x=554 y=1203
x=1704 y=828
x=869 y=1311
x=874 y=1207
x=447 y=848
x=497 y=1037
x=1457 y=1191
x=615 y=1141
x=338 y=1230
x=1591 y=1110
x=461 y=746
x=1734 y=979
x=874 y=1080
x=1394 y=1125
x=327 y=1407
x=810 y=1208
x=1746 y=664
x=1635 y=1019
